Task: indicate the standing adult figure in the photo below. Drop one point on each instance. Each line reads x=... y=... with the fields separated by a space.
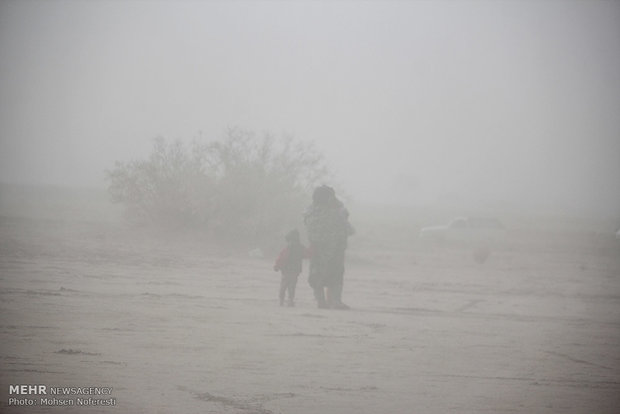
x=328 y=229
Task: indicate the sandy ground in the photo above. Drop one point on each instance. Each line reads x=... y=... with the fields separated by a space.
x=176 y=325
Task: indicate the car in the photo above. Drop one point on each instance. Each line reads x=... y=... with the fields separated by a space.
x=464 y=229
x=479 y=233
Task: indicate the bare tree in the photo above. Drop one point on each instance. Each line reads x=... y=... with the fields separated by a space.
x=241 y=186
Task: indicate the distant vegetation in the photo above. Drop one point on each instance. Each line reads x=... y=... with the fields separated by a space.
x=243 y=186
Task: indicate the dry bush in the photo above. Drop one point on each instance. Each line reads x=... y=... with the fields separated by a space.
x=243 y=186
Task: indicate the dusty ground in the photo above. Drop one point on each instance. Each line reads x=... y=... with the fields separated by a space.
x=176 y=325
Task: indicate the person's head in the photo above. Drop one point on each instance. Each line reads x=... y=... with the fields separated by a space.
x=323 y=195
x=292 y=236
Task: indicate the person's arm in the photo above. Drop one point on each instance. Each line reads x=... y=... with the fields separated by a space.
x=281 y=259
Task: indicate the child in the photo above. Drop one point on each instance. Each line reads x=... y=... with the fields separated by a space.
x=289 y=262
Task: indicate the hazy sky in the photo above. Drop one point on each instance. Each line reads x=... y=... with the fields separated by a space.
x=482 y=101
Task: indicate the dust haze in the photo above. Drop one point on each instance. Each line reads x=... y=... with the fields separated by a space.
x=424 y=112
x=513 y=103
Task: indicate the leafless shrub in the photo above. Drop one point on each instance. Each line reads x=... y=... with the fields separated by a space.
x=241 y=186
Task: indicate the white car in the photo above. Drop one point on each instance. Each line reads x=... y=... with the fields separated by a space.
x=481 y=234
x=466 y=229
